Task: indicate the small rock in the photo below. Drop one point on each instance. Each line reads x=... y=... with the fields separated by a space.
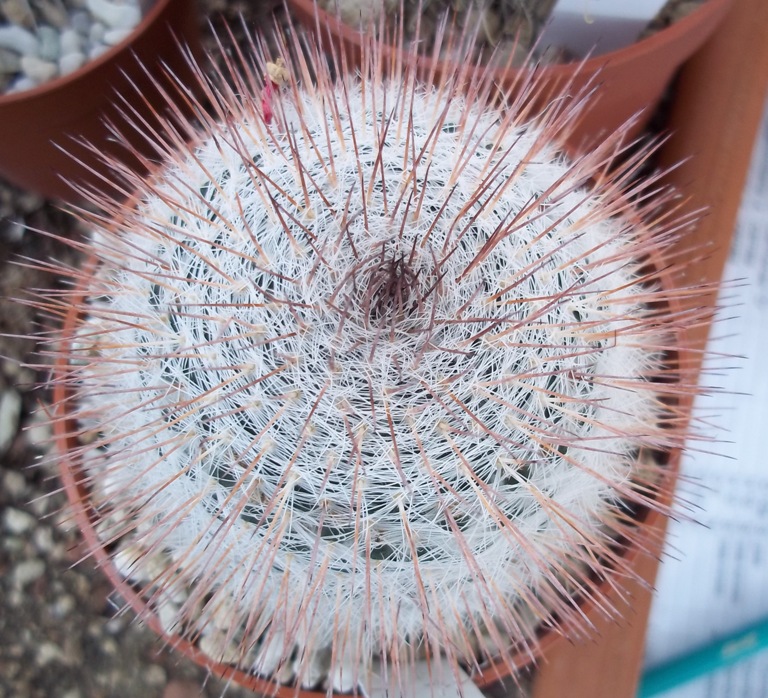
x=40 y=506
x=14 y=484
x=48 y=652
x=50 y=43
x=70 y=62
x=10 y=412
x=63 y=606
x=43 y=539
x=14 y=230
x=96 y=33
x=155 y=675
x=27 y=572
x=70 y=41
x=96 y=51
x=109 y=646
x=114 y=15
x=19 y=40
x=38 y=432
x=52 y=13
x=38 y=70
x=10 y=61
x=80 y=21
x=113 y=37
x=18 y=12
x=17 y=521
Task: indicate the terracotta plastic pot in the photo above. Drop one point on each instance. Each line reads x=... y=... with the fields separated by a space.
x=648 y=520
x=628 y=83
x=42 y=129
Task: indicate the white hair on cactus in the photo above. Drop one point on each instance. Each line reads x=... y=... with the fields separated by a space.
x=370 y=373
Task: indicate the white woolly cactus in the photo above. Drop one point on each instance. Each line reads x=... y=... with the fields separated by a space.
x=367 y=370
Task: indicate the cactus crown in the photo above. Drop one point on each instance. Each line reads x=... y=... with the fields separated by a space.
x=370 y=365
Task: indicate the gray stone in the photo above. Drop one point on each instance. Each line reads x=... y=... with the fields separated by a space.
x=96 y=33
x=114 y=15
x=10 y=413
x=70 y=41
x=18 y=521
x=96 y=51
x=113 y=37
x=50 y=43
x=48 y=652
x=27 y=572
x=81 y=22
x=10 y=62
x=18 y=12
x=38 y=70
x=52 y=12
x=19 y=40
x=71 y=62
x=14 y=484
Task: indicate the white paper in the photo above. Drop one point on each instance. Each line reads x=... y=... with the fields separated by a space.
x=592 y=27
x=719 y=581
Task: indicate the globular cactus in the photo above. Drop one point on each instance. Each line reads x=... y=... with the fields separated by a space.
x=368 y=371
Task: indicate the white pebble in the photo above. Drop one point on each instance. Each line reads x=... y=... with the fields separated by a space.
x=49 y=43
x=38 y=70
x=10 y=412
x=112 y=37
x=38 y=431
x=80 y=21
x=48 y=652
x=70 y=62
x=114 y=15
x=14 y=484
x=27 y=572
x=63 y=606
x=19 y=40
x=43 y=539
x=17 y=521
x=96 y=33
x=70 y=41
x=96 y=51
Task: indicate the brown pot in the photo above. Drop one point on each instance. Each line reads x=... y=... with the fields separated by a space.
x=649 y=523
x=40 y=146
x=628 y=83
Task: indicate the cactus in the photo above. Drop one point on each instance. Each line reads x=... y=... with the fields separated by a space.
x=368 y=370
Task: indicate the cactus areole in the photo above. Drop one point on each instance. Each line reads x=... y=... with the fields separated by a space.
x=365 y=375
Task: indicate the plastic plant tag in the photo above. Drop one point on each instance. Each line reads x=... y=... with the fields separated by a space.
x=433 y=679
x=591 y=27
